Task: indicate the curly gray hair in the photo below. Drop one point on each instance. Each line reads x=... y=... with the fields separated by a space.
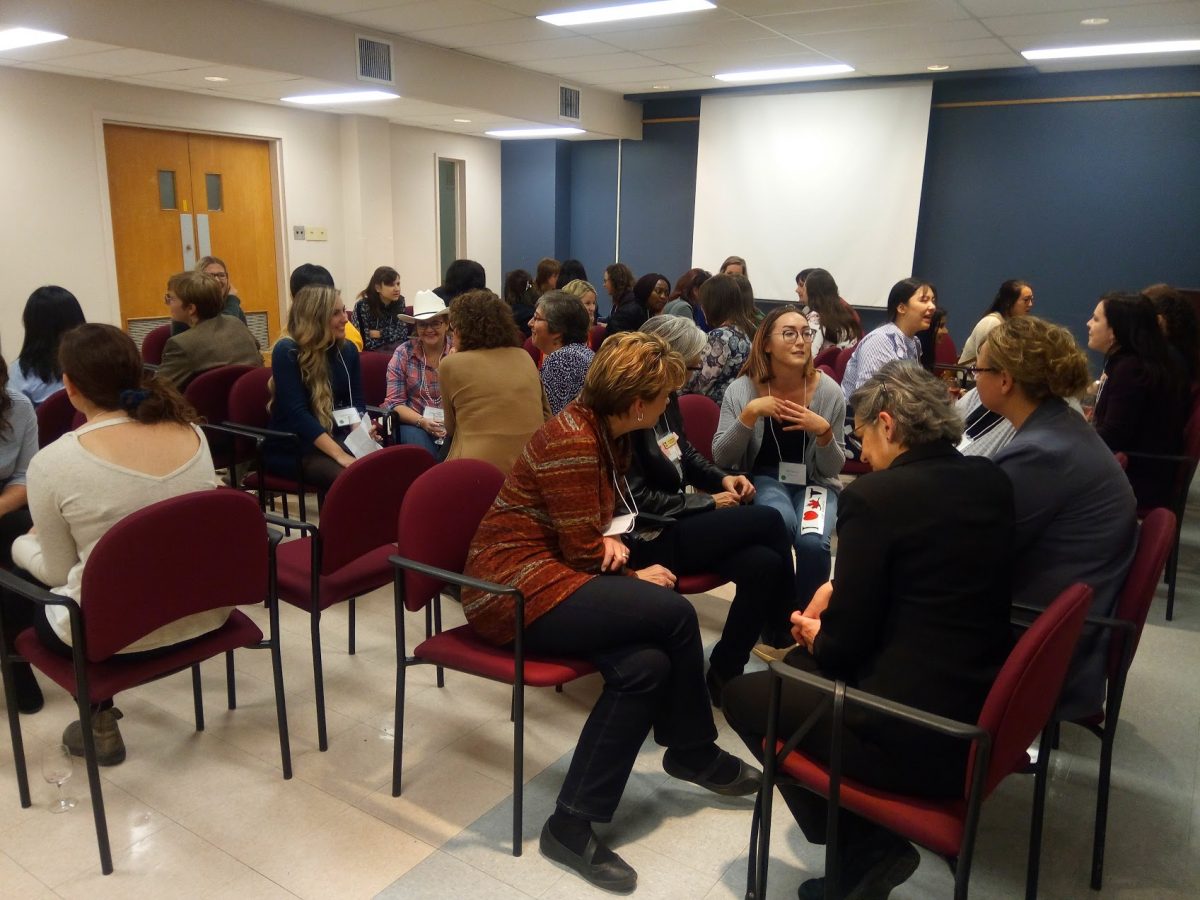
x=684 y=335
x=917 y=400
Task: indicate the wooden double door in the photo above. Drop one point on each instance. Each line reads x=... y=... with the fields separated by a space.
x=178 y=196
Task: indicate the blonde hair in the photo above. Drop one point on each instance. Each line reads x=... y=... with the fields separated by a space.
x=308 y=325
x=630 y=366
x=1042 y=358
x=579 y=288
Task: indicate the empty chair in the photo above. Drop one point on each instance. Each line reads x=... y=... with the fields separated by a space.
x=700 y=418
x=208 y=393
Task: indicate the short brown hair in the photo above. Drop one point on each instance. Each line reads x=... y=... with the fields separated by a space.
x=631 y=365
x=199 y=290
x=547 y=268
x=1042 y=358
x=483 y=321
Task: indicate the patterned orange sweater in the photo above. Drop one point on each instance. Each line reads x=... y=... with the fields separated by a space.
x=544 y=532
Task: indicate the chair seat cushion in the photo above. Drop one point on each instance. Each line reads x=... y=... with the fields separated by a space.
x=275 y=483
x=365 y=574
x=107 y=678
x=936 y=824
x=461 y=649
x=700 y=583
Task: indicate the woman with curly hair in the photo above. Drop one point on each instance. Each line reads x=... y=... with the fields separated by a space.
x=491 y=392
x=316 y=389
x=627 y=312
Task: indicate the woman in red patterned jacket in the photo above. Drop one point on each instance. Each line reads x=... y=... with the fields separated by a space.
x=555 y=533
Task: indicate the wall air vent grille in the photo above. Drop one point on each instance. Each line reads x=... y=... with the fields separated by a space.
x=374 y=61
x=568 y=103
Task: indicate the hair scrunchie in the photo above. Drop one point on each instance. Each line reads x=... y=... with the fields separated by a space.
x=132 y=398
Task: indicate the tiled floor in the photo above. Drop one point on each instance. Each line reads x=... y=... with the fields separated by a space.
x=208 y=814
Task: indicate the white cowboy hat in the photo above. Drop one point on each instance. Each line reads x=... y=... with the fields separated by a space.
x=426 y=305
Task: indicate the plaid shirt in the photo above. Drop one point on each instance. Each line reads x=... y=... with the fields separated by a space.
x=410 y=381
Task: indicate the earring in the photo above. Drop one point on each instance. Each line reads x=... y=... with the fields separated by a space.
x=639 y=415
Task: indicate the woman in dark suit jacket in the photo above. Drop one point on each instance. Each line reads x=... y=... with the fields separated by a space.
x=919 y=614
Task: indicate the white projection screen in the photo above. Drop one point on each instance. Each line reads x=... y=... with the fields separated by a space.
x=828 y=179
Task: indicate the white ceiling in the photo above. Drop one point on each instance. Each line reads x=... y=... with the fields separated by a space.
x=672 y=53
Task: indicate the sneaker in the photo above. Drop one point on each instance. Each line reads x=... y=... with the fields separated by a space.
x=110 y=748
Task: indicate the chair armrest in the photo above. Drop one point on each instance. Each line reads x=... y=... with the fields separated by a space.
x=282 y=522
x=1163 y=457
x=458 y=578
x=235 y=430
x=33 y=592
x=1102 y=621
x=251 y=431
x=891 y=708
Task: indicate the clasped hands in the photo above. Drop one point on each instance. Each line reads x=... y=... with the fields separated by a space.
x=794 y=416
x=616 y=555
x=806 y=623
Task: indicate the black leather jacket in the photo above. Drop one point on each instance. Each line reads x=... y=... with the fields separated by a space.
x=655 y=482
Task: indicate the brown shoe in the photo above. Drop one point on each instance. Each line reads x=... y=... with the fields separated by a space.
x=767 y=653
x=110 y=749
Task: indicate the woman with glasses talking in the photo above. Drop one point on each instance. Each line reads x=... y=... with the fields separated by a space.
x=783 y=422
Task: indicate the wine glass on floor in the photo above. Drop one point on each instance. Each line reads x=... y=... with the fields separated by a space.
x=57 y=766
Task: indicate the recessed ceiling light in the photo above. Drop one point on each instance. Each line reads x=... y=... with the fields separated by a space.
x=660 y=87
x=624 y=11
x=340 y=97
x=216 y=78
x=14 y=38
x=941 y=67
x=1112 y=50
x=785 y=74
x=538 y=132
x=1099 y=20
x=463 y=121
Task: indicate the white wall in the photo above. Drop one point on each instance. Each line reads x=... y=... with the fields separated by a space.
x=55 y=227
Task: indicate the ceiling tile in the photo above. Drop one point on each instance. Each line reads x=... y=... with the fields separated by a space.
x=483 y=34
x=763 y=48
x=618 y=76
x=932 y=52
x=598 y=63
x=1120 y=19
x=1085 y=35
x=561 y=48
x=990 y=8
x=886 y=41
x=195 y=77
x=957 y=64
x=714 y=32
x=425 y=15
x=335 y=7
x=856 y=18
x=55 y=50
x=128 y=62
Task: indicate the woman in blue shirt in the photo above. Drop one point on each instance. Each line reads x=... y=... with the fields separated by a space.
x=316 y=389
x=49 y=312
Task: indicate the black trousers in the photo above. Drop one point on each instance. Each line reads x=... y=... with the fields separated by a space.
x=12 y=526
x=749 y=545
x=874 y=750
x=645 y=641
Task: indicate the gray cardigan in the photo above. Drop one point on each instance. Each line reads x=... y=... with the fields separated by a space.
x=735 y=446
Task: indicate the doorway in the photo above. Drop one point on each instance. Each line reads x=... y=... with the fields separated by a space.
x=178 y=196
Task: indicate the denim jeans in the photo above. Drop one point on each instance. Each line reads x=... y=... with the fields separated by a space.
x=645 y=641
x=812 y=550
x=419 y=437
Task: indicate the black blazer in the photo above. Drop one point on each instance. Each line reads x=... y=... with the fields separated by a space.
x=921 y=599
x=627 y=315
x=656 y=484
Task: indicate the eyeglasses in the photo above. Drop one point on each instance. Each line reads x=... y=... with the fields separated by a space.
x=791 y=335
x=538 y=317
x=975 y=370
x=433 y=323
x=167 y=298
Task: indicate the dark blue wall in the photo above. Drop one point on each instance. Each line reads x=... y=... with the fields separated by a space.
x=593 y=189
x=528 y=186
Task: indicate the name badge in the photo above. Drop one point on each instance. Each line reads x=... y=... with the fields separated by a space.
x=620 y=525
x=793 y=473
x=669 y=445
x=345 y=416
x=434 y=414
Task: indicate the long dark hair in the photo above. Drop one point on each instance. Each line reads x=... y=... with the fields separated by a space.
x=516 y=284
x=837 y=321
x=1180 y=326
x=463 y=275
x=1009 y=294
x=724 y=304
x=902 y=291
x=104 y=365
x=49 y=312
x=1134 y=325
x=6 y=402
x=382 y=275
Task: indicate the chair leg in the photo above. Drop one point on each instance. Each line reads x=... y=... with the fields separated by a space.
x=1172 y=563
x=351 y=627
x=14 y=729
x=230 y=680
x=197 y=697
x=318 y=680
x=398 y=727
x=93 y=773
x=518 y=763
x=1102 y=788
x=285 y=743
x=1039 y=806
x=558 y=689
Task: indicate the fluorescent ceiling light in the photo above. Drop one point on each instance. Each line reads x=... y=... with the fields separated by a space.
x=626 y=11
x=1112 y=50
x=14 y=38
x=340 y=97
x=785 y=74
x=539 y=132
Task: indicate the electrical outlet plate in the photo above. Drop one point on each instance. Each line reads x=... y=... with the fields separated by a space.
x=313 y=233
x=298 y=232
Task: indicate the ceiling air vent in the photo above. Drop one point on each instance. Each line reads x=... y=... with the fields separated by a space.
x=568 y=103
x=374 y=61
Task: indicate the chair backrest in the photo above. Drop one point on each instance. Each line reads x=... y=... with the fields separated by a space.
x=596 y=335
x=1156 y=538
x=827 y=356
x=1026 y=691
x=843 y=360
x=248 y=399
x=1191 y=449
x=361 y=509
x=373 y=366
x=209 y=391
x=700 y=419
x=55 y=416
x=534 y=353
x=153 y=343
x=439 y=516
x=172 y=559
x=828 y=371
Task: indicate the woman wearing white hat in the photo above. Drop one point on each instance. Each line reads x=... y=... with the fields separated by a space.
x=414 y=392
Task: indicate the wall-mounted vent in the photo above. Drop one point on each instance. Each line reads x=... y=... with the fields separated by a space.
x=374 y=61
x=568 y=103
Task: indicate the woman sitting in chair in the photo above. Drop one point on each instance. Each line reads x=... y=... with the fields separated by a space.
x=140 y=445
x=555 y=531
x=918 y=612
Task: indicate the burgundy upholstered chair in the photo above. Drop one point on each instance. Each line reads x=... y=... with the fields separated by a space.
x=700 y=419
x=153 y=343
x=827 y=357
x=1018 y=707
x=438 y=518
x=133 y=584
x=208 y=392
x=55 y=417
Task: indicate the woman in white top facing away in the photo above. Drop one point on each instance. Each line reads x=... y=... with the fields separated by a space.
x=1015 y=298
x=140 y=445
